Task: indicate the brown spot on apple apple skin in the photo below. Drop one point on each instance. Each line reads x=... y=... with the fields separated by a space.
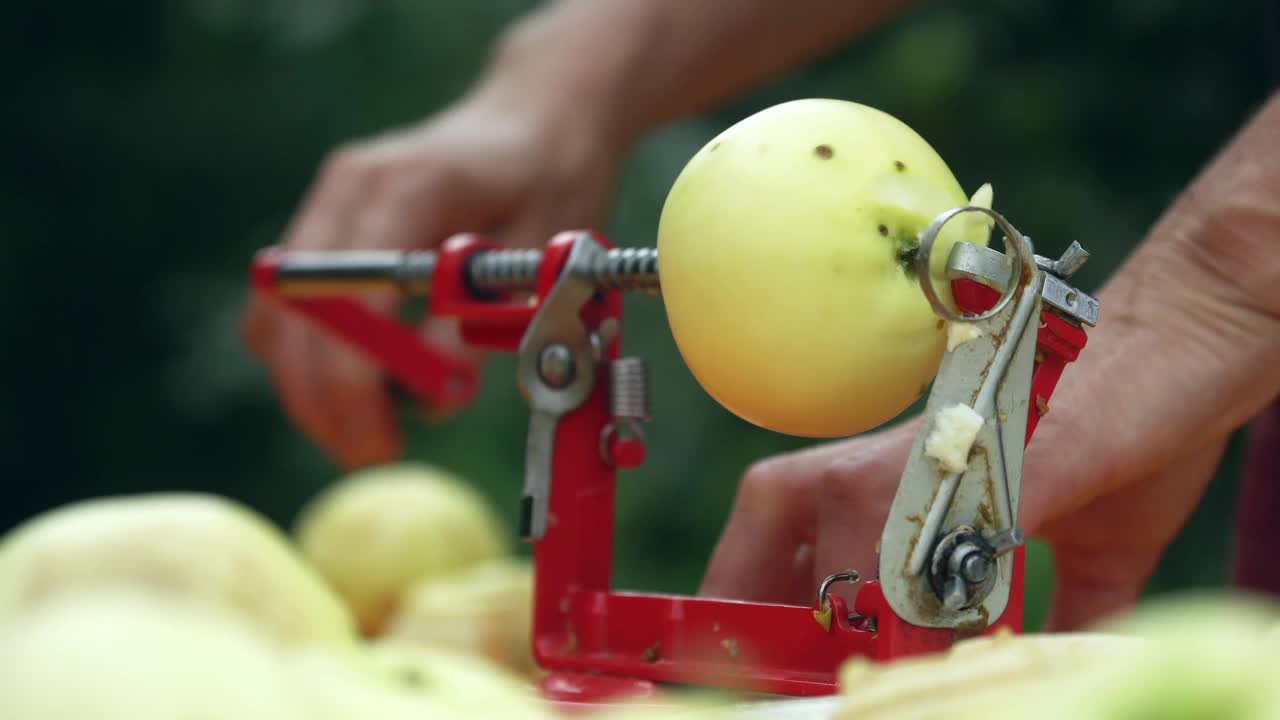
x=412 y=678
x=899 y=166
x=824 y=151
x=714 y=146
x=940 y=323
x=883 y=230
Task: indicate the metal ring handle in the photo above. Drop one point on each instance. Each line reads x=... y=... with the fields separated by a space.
x=1016 y=243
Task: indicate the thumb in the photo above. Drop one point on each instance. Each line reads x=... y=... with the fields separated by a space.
x=806 y=514
x=855 y=493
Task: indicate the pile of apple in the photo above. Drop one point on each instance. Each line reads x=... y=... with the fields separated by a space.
x=396 y=597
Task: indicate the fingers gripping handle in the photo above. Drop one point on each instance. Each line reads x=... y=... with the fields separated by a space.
x=438 y=377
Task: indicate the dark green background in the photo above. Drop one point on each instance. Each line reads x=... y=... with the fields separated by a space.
x=150 y=148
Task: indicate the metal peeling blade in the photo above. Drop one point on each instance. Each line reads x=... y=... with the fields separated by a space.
x=535 y=503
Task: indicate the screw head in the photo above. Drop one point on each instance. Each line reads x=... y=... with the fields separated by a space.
x=976 y=568
x=555 y=365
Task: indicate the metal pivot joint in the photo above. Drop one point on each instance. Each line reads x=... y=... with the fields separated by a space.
x=556 y=372
x=963 y=567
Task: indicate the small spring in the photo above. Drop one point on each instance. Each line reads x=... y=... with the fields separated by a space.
x=629 y=390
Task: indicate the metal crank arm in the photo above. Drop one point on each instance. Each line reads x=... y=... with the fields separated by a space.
x=944 y=550
x=990 y=267
x=556 y=372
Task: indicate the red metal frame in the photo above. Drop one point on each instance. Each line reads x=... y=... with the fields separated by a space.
x=600 y=642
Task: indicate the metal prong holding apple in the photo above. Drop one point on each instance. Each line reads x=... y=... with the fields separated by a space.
x=787 y=247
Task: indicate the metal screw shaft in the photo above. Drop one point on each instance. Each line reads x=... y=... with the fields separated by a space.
x=618 y=269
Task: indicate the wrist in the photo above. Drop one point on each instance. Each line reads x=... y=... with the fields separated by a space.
x=1226 y=223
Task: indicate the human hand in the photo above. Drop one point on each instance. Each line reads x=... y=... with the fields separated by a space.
x=803 y=516
x=503 y=161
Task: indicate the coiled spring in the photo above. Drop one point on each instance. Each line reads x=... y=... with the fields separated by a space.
x=628 y=403
x=629 y=390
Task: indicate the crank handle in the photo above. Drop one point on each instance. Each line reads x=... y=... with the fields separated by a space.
x=327 y=289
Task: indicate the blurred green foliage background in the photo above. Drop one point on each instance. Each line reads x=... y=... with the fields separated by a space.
x=151 y=147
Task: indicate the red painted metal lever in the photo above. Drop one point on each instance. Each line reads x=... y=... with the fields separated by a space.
x=441 y=379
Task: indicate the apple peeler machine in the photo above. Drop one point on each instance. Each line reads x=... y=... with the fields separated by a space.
x=951 y=555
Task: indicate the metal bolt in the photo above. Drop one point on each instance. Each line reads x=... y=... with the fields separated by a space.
x=555 y=365
x=976 y=568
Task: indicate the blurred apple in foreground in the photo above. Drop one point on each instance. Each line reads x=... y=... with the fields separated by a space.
x=408 y=683
x=1210 y=657
x=375 y=532
x=471 y=682
x=200 y=548
x=122 y=653
x=486 y=610
x=1186 y=657
x=126 y=654
x=974 y=676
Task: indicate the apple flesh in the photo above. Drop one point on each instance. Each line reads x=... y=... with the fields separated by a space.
x=788 y=249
